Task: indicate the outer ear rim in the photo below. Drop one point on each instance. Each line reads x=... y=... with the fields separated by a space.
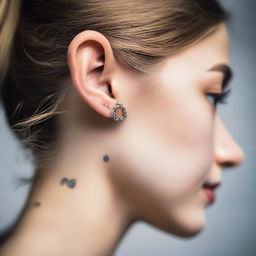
x=92 y=35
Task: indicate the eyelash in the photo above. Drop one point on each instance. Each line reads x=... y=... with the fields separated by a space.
x=220 y=98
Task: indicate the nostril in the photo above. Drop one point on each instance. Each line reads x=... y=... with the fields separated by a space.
x=227 y=164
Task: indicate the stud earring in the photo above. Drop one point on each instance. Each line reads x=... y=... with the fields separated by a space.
x=118 y=112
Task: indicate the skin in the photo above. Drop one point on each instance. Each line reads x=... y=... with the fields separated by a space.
x=149 y=167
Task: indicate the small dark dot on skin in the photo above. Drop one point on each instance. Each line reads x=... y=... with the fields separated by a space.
x=106 y=158
x=36 y=204
x=72 y=183
x=63 y=181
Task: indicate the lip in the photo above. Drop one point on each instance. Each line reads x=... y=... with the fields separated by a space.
x=210 y=194
x=208 y=188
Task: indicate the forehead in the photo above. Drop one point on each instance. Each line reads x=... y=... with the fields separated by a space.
x=202 y=55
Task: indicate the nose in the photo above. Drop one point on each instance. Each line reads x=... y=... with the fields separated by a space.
x=227 y=152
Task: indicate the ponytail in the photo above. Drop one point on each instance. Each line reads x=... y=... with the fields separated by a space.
x=9 y=16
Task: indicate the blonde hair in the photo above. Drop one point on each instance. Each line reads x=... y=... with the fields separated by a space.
x=9 y=15
x=142 y=33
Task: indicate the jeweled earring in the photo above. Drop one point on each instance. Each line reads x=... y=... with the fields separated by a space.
x=118 y=112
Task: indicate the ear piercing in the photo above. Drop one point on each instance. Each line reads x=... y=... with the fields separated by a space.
x=118 y=112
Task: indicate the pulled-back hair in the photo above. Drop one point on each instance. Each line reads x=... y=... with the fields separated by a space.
x=35 y=35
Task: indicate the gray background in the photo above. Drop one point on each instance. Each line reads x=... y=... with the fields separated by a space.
x=231 y=221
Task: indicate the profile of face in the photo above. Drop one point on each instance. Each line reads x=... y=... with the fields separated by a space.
x=172 y=141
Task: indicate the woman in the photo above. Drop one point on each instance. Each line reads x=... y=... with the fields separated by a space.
x=117 y=101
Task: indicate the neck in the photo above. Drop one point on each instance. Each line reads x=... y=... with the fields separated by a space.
x=86 y=217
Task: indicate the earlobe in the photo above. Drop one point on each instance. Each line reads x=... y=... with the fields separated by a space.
x=90 y=60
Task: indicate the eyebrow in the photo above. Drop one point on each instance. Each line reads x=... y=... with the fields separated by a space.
x=227 y=72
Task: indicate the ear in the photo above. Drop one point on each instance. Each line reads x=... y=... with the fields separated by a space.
x=91 y=63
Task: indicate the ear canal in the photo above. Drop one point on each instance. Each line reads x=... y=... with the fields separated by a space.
x=110 y=91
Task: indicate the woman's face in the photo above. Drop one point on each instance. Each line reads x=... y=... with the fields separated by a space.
x=173 y=141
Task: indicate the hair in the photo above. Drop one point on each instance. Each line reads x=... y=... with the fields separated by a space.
x=35 y=35
x=34 y=38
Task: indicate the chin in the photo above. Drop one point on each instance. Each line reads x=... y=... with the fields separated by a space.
x=186 y=225
x=187 y=233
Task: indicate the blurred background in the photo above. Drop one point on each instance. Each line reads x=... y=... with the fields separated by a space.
x=231 y=221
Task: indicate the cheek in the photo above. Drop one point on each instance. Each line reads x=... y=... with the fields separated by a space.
x=163 y=152
x=155 y=169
